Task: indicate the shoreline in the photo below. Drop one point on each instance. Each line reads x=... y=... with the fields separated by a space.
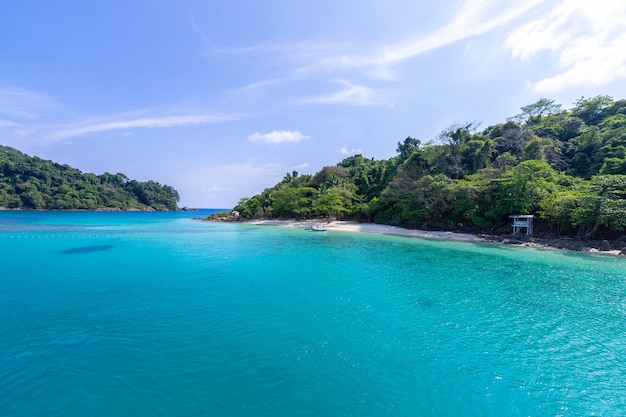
x=596 y=247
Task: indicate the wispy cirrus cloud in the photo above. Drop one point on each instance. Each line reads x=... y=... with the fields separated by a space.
x=91 y=127
x=7 y=123
x=278 y=136
x=21 y=104
x=473 y=18
x=352 y=94
x=588 y=38
x=375 y=66
x=28 y=114
x=261 y=84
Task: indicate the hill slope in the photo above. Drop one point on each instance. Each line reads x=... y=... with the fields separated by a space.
x=33 y=183
x=567 y=167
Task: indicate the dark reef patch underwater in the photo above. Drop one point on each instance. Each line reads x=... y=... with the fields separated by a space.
x=87 y=249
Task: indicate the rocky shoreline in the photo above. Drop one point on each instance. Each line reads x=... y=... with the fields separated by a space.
x=616 y=247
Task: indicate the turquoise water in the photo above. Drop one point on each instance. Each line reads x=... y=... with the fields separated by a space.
x=157 y=314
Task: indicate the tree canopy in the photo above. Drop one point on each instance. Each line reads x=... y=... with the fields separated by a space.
x=568 y=167
x=33 y=183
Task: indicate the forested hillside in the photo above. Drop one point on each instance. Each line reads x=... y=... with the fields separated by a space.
x=33 y=183
x=567 y=167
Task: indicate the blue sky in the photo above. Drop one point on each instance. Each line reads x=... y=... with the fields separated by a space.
x=221 y=99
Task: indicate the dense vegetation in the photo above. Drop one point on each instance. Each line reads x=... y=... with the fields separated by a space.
x=33 y=183
x=568 y=167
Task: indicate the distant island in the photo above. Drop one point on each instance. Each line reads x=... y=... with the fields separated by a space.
x=33 y=183
x=565 y=167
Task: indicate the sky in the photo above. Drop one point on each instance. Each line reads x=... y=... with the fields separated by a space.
x=220 y=99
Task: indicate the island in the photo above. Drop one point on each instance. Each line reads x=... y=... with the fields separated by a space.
x=565 y=168
x=35 y=184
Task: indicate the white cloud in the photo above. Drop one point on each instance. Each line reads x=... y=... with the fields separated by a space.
x=589 y=38
x=278 y=136
x=317 y=60
x=31 y=112
x=89 y=127
x=475 y=17
x=353 y=151
x=352 y=94
x=17 y=103
x=260 y=85
x=7 y=123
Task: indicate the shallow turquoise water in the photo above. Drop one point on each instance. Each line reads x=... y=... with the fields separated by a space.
x=156 y=314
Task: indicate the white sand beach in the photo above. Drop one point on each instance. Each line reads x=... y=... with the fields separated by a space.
x=347 y=226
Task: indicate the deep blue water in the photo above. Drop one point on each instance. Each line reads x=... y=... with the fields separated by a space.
x=157 y=314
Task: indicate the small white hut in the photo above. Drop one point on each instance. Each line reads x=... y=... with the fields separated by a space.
x=522 y=221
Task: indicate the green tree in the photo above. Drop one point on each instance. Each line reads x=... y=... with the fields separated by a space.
x=407 y=148
x=521 y=189
x=559 y=207
x=330 y=204
x=297 y=202
x=593 y=110
x=534 y=112
x=602 y=203
x=250 y=207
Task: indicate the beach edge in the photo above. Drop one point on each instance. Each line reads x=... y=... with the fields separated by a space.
x=381 y=229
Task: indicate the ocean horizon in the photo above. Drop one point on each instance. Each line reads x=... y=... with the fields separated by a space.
x=159 y=314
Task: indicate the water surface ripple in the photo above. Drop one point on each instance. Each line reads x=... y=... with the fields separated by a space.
x=157 y=314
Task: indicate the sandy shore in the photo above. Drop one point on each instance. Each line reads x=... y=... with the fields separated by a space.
x=346 y=226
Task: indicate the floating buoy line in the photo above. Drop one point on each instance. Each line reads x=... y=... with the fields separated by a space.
x=60 y=236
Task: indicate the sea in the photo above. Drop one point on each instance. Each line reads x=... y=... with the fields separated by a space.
x=160 y=314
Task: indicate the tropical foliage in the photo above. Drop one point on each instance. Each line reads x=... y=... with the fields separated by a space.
x=568 y=167
x=33 y=183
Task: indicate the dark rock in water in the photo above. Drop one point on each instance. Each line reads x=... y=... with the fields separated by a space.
x=233 y=216
x=605 y=245
x=87 y=249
